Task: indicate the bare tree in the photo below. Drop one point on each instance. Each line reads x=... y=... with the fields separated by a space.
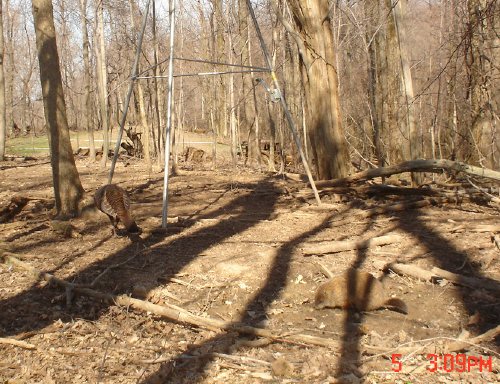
x=482 y=69
x=413 y=138
x=87 y=78
x=140 y=98
x=68 y=189
x=102 y=81
x=3 y=110
x=248 y=112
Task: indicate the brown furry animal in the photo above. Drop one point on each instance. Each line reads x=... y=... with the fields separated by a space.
x=357 y=290
x=115 y=202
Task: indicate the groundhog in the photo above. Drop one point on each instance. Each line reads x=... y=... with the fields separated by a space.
x=357 y=290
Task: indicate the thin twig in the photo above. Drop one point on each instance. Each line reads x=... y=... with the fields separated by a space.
x=17 y=343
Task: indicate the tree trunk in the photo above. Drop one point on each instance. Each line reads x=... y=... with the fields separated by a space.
x=372 y=13
x=102 y=82
x=86 y=80
x=320 y=80
x=482 y=146
x=3 y=110
x=248 y=109
x=140 y=97
x=158 y=103
x=413 y=138
x=9 y=71
x=68 y=189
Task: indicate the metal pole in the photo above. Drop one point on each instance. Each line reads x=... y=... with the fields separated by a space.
x=135 y=66
x=171 y=8
x=283 y=103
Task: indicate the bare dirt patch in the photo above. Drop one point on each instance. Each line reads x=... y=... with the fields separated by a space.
x=236 y=255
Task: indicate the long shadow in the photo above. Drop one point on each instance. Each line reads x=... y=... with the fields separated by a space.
x=350 y=351
x=32 y=309
x=175 y=371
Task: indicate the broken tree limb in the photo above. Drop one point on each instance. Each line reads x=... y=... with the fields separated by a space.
x=340 y=246
x=438 y=273
x=171 y=311
x=412 y=166
x=410 y=270
x=477 y=228
x=455 y=345
x=467 y=281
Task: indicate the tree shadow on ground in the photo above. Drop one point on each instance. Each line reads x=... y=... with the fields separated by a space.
x=33 y=309
x=446 y=256
x=190 y=365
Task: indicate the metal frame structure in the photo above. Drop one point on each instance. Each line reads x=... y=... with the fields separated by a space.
x=244 y=69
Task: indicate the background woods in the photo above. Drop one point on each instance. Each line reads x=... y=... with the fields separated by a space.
x=399 y=79
x=227 y=292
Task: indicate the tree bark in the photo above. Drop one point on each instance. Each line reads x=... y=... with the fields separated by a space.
x=86 y=79
x=160 y=150
x=102 y=81
x=3 y=109
x=413 y=138
x=68 y=189
x=140 y=96
x=319 y=74
x=248 y=109
x=482 y=147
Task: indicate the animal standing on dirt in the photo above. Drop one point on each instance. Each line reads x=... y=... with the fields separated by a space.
x=357 y=290
x=115 y=202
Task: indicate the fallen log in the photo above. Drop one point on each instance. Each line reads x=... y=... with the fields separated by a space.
x=412 y=166
x=437 y=273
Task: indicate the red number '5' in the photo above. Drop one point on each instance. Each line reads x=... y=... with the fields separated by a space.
x=395 y=361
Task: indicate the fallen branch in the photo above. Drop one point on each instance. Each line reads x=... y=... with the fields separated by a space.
x=410 y=270
x=477 y=228
x=438 y=273
x=340 y=246
x=412 y=166
x=455 y=345
x=17 y=343
x=467 y=281
x=173 y=312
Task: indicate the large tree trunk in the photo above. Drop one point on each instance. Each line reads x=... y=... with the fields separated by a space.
x=414 y=139
x=482 y=146
x=86 y=80
x=329 y=147
x=68 y=189
x=9 y=71
x=3 y=110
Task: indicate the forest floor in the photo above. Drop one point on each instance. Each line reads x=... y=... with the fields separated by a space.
x=236 y=255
